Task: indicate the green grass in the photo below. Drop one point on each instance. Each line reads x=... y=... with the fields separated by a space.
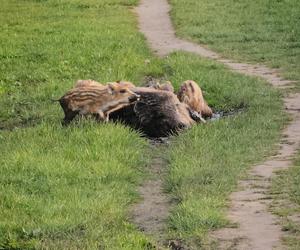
x=46 y=45
x=286 y=204
x=67 y=188
x=263 y=31
x=71 y=188
x=207 y=160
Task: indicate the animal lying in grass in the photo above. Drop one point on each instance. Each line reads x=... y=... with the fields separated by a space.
x=160 y=113
x=157 y=113
x=155 y=109
x=95 y=99
x=191 y=94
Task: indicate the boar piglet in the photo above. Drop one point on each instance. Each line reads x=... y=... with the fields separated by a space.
x=191 y=94
x=98 y=101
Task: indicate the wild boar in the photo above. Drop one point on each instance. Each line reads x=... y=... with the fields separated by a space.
x=157 y=113
x=190 y=93
x=98 y=101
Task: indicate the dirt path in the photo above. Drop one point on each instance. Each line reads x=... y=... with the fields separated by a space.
x=249 y=207
x=155 y=23
x=150 y=214
x=258 y=228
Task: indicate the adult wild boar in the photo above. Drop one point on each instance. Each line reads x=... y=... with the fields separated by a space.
x=157 y=113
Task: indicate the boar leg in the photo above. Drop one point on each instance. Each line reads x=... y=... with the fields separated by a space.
x=196 y=116
x=100 y=116
x=113 y=110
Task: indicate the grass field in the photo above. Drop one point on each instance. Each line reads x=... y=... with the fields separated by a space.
x=207 y=161
x=71 y=188
x=266 y=31
x=286 y=191
x=67 y=188
x=202 y=172
x=46 y=45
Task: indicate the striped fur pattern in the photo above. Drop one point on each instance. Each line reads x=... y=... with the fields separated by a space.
x=87 y=83
x=98 y=100
x=191 y=94
x=92 y=83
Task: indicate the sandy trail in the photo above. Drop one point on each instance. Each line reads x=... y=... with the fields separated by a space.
x=150 y=214
x=257 y=228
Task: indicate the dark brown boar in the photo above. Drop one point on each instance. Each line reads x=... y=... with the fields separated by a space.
x=157 y=113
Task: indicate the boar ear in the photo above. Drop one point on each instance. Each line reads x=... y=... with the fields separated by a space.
x=111 y=88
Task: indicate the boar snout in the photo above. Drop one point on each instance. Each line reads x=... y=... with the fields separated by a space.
x=134 y=98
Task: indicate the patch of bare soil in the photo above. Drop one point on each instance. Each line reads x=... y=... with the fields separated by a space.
x=150 y=214
x=257 y=227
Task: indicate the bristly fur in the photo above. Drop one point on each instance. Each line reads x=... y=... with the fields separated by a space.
x=97 y=100
x=87 y=83
x=191 y=94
